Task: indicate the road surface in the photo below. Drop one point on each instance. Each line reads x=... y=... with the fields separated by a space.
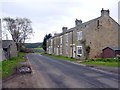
x=53 y=73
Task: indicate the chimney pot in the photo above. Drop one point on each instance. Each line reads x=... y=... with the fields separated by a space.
x=78 y=22
x=64 y=29
x=105 y=12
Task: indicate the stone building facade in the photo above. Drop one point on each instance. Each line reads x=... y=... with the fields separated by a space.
x=9 y=49
x=86 y=40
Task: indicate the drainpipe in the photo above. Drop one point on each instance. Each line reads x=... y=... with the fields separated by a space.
x=59 y=45
x=72 y=44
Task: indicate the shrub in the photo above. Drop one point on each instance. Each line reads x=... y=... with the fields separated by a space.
x=27 y=50
x=118 y=56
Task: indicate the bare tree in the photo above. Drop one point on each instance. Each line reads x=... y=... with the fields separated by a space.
x=19 y=28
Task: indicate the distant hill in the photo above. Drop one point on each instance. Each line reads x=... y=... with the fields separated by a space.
x=33 y=45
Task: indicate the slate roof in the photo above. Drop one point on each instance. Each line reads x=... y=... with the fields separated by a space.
x=80 y=26
x=6 y=43
x=75 y=28
x=113 y=48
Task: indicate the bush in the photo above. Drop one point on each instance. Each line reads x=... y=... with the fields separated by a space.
x=27 y=50
x=118 y=56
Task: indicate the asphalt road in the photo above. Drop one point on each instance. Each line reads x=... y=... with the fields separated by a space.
x=53 y=73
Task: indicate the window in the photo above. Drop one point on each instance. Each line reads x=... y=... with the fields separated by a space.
x=60 y=39
x=79 y=50
x=67 y=37
x=51 y=42
x=79 y=35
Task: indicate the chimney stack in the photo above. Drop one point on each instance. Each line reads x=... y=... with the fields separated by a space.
x=105 y=12
x=64 y=29
x=78 y=22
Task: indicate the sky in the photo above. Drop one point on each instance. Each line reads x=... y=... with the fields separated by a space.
x=49 y=16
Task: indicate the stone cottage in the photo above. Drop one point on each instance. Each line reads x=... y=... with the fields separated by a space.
x=9 y=49
x=86 y=40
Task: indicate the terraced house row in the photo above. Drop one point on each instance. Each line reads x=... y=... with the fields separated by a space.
x=88 y=39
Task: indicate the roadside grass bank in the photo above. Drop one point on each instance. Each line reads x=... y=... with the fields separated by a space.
x=0 y=69
x=108 y=62
x=8 y=66
x=60 y=57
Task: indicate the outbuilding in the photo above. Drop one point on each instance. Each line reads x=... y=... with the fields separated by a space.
x=9 y=49
x=110 y=52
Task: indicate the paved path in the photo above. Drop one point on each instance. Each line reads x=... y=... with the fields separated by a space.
x=51 y=73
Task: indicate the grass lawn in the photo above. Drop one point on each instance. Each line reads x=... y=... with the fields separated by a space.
x=103 y=62
x=8 y=66
x=60 y=57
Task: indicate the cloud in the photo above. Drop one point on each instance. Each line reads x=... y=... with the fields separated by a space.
x=50 y=16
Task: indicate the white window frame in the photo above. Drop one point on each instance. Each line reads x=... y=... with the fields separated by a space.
x=81 y=50
x=67 y=37
x=51 y=42
x=80 y=35
x=60 y=39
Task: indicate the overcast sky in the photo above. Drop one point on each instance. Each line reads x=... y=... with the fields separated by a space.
x=49 y=16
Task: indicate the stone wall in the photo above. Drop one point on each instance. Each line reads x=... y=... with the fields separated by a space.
x=13 y=50
x=99 y=37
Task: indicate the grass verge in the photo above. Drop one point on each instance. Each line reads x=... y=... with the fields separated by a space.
x=109 y=62
x=0 y=70
x=8 y=66
x=60 y=57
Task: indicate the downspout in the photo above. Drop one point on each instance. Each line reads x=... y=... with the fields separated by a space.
x=53 y=46
x=59 y=45
x=72 y=44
